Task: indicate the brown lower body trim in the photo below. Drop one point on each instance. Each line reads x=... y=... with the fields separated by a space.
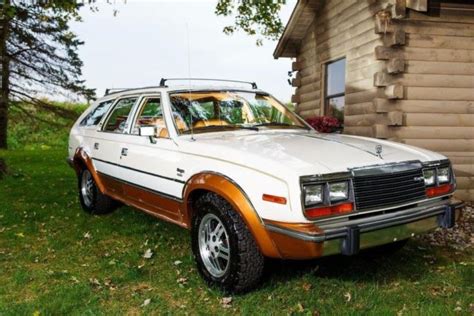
x=152 y=203
x=293 y=248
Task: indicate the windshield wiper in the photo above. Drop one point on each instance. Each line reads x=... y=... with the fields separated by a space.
x=279 y=124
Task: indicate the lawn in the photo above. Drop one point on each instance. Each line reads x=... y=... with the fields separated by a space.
x=55 y=259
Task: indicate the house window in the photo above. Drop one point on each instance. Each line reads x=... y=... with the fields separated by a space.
x=335 y=89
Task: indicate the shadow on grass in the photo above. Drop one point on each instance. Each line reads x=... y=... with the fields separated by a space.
x=366 y=267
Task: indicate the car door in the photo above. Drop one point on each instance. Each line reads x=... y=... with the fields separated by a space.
x=149 y=164
x=106 y=143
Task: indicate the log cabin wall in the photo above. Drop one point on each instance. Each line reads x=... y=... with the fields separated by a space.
x=437 y=81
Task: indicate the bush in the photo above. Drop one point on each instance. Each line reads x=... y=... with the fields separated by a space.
x=325 y=124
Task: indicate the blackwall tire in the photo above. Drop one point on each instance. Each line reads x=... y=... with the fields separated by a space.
x=90 y=197
x=220 y=238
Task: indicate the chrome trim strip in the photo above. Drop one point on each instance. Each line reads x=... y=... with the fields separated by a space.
x=371 y=224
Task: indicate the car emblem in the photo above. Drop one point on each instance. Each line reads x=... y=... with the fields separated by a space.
x=378 y=150
x=418 y=179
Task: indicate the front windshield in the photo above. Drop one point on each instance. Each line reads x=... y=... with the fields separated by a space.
x=210 y=111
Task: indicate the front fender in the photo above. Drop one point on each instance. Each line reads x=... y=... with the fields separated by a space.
x=233 y=193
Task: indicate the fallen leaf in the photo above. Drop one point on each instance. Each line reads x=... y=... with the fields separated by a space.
x=21 y=235
x=348 y=297
x=177 y=262
x=87 y=235
x=226 y=302
x=300 y=307
x=182 y=281
x=458 y=309
x=148 y=254
x=307 y=286
x=146 y=302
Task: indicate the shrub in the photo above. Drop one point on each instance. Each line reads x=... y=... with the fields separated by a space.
x=325 y=124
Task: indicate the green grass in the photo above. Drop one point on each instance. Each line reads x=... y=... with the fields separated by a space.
x=49 y=266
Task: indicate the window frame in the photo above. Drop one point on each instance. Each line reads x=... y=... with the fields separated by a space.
x=111 y=110
x=91 y=109
x=140 y=105
x=326 y=96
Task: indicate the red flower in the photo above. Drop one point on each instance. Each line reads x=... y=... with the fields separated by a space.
x=324 y=124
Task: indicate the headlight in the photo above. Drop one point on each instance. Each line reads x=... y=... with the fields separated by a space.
x=444 y=175
x=429 y=175
x=338 y=191
x=313 y=194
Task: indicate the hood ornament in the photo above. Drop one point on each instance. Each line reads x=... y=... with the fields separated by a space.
x=378 y=150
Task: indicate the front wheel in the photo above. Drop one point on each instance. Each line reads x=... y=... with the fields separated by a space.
x=224 y=249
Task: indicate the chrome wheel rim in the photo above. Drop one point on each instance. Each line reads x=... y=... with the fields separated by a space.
x=214 y=245
x=87 y=188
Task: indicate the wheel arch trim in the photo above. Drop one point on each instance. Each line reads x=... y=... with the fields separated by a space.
x=229 y=189
x=82 y=159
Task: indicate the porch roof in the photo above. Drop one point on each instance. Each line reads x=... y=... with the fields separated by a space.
x=296 y=28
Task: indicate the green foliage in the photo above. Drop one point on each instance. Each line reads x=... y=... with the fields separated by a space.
x=253 y=17
x=35 y=128
x=42 y=50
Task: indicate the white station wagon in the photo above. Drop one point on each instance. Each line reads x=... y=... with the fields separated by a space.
x=250 y=179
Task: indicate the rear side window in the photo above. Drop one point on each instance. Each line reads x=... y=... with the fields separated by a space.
x=117 y=121
x=95 y=116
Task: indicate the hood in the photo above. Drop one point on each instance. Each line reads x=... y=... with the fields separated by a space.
x=303 y=152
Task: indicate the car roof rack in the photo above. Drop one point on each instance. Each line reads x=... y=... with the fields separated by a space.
x=113 y=90
x=163 y=81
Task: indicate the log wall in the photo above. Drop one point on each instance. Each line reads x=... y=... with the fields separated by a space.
x=437 y=82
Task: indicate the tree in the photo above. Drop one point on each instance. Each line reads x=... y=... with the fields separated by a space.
x=38 y=54
x=253 y=17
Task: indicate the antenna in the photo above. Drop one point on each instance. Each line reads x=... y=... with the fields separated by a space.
x=189 y=83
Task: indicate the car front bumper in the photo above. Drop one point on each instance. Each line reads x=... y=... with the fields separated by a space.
x=348 y=236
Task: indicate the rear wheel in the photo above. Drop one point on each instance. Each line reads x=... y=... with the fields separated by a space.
x=225 y=251
x=92 y=200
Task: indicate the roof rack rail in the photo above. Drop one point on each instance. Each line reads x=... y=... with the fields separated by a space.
x=163 y=81
x=111 y=90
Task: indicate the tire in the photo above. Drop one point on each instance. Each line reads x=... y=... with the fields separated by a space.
x=92 y=200
x=388 y=249
x=218 y=232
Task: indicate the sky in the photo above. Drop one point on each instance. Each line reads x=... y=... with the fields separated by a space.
x=148 y=40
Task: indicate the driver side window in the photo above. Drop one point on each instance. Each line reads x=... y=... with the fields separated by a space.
x=151 y=115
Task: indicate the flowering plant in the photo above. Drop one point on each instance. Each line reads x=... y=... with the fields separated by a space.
x=325 y=124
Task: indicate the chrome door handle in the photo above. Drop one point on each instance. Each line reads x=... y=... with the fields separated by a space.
x=124 y=151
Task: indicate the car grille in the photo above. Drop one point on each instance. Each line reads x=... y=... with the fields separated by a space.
x=389 y=189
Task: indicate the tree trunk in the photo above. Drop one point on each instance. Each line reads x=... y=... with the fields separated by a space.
x=5 y=71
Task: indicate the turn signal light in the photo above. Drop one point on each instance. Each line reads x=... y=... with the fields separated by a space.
x=274 y=199
x=330 y=210
x=441 y=190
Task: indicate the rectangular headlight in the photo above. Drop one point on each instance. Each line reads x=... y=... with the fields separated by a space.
x=444 y=175
x=313 y=194
x=338 y=191
x=429 y=176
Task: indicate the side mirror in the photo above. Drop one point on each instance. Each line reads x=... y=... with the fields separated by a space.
x=148 y=131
